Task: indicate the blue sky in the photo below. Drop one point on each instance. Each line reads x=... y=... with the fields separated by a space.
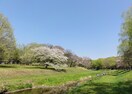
x=87 y=27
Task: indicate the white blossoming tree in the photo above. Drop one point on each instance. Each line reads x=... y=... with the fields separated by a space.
x=48 y=56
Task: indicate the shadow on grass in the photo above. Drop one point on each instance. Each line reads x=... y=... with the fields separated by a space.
x=104 y=88
x=7 y=66
x=49 y=68
x=31 y=67
x=120 y=72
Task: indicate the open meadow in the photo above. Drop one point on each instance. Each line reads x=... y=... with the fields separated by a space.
x=14 y=77
x=17 y=77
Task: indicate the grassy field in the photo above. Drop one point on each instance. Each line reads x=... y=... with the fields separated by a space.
x=15 y=77
x=119 y=82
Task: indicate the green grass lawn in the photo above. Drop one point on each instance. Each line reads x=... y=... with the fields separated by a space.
x=118 y=82
x=14 y=77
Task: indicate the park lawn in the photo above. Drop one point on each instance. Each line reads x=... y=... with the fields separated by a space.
x=15 y=77
x=118 y=82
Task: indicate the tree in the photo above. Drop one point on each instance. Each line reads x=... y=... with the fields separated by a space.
x=97 y=64
x=125 y=48
x=85 y=62
x=51 y=55
x=26 y=56
x=7 y=40
x=110 y=62
x=72 y=58
x=43 y=54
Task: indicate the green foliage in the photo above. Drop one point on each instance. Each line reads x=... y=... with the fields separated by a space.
x=110 y=63
x=97 y=64
x=7 y=40
x=26 y=56
x=105 y=63
x=125 y=48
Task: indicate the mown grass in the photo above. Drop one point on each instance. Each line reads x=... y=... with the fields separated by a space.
x=119 y=82
x=14 y=77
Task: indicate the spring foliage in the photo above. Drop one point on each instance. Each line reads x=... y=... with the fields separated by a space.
x=43 y=54
x=7 y=40
x=125 y=48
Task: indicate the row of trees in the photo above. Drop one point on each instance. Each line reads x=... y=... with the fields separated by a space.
x=33 y=53
x=48 y=54
x=109 y=63
x=56 y=55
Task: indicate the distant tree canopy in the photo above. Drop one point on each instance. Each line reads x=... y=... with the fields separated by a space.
x=125 y=48
x=7 y=40
x=105 y=63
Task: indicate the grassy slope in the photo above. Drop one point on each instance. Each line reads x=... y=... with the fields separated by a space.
x=15 y=77
x=119 y=82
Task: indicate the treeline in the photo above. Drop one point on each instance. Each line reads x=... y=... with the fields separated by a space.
x=45 y=54
x=109 y=63
x=50 y=55
x=34 y=53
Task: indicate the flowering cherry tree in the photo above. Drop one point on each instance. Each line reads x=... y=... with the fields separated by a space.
x=45 y=54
